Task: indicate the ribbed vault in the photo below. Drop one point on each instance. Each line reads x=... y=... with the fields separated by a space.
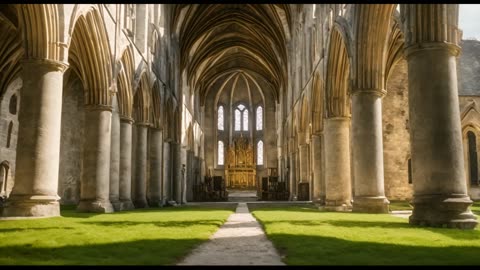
x=217 y=40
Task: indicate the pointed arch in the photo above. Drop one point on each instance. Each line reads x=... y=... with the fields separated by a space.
x=142 y=100
x=11 y=50
x=157 y=105
x=317 y=100
x=90 y=57
x=41 y=35
x=338 y=71
x=124 y=83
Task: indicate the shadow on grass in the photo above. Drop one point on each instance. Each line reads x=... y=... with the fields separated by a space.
x=178 y=223
x=317 y=250
x=344 y=223
x=72 y=212
x=7 y=230
x=141 y=252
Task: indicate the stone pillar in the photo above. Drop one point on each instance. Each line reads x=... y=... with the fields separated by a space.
x=368 y=152
x=318 y=180
x=293 y=181
x=303 y=161
x=38 y=146
x=115 y=160
x=126 y=163
x=177 y=172
x=440 y=192
x=167 y=173
x=156 y=156
x=95 y=186
x=140 y=198
x=337 y=164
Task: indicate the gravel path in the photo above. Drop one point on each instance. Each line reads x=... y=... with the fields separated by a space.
x=240 y=241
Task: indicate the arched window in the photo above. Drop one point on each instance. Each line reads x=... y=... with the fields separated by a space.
x=220 y=149
x=3 y=178
x=9 y=134
x=237 y=119
x=245 y=120
x=259 y=118
x=241 y=118
x=220 y=118
x=260 y=153
x=12 y=107
x=472 y=154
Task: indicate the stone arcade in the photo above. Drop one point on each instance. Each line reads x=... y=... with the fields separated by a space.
x=113 y=107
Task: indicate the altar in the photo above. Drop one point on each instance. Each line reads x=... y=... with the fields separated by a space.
x=240 y=169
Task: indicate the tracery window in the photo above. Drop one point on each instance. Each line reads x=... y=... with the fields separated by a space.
x=220 y=159
x=259 y=118
x=220 y=119
x=241 y=118
x=260 y=153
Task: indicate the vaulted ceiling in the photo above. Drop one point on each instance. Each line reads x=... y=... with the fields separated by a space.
x=218 y=40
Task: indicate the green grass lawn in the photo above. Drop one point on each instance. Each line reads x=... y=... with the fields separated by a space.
x=399 y=205
x=159 y=236
x=307 y=236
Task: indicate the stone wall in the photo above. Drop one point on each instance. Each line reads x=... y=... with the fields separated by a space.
x=7 y=106
x=71 y=142
x=396 y=136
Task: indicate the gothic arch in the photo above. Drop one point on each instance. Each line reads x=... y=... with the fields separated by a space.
x=10 y=47
x=142 y=100
x=157 y=105
x=372 y=25
x=317 y=100
x=338 y=70
x=90 y=57
x=124 y=83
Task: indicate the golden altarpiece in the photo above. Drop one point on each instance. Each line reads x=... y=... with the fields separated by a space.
x=240 y=169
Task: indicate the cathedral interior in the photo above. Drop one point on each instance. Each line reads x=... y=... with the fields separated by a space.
x=112 y=107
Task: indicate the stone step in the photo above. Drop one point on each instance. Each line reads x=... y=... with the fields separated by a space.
x=242 y=199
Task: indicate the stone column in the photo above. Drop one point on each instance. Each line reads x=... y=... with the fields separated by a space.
x=38 y=146
x=156 y=157
x=440 y=192
x=318 y=180
x=177 y=172
x=167 y=173
x=140 y=199
x=126 y=163
x=303 y=161
x=293 y=181
x=337 y=164
x=368 y=152
x=95 y=186
x=115 y=160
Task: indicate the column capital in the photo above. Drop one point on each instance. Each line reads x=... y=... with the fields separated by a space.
x=144 y=124
x=451 y=48
x=53 y=64
x=126 y=119
x=98 y=107
x=376 y=92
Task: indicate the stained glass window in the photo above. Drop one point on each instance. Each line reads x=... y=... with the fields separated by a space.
x=220 y=153
x=220 y=118
x=260 y=153
x=237 y=119
x=259 y=118
x=245 y=119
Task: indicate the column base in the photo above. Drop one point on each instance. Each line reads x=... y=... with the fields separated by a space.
x=142 y=203
x=446 y=211
x=95 y=206
x=370 y=204
x=126 y=205
x=337 y=206
x=31 y=206
x=155 y=202
x=116 y=204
